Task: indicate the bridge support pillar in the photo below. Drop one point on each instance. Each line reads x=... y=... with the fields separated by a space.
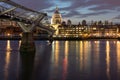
x=50 y=38
x=27 y=43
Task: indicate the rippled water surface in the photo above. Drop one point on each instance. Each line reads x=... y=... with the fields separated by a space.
x=62 y=60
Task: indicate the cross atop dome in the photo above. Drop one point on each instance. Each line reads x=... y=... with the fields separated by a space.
x=56 y=7
x=57 y=10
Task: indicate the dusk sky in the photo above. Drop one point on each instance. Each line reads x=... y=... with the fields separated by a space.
x=77 y=10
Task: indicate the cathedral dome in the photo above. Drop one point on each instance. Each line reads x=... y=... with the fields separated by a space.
x=56 y=18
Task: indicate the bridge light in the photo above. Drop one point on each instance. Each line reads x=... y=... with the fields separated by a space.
x=20 y=34
x=8 y=34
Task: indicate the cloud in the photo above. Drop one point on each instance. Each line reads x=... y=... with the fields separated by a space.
x=100 y=4
x=50 y=10
x=117 y=17
x=94 y=14
x=35 y=4
x=77 y=14
x=118 y=9
x=74 y=8
x=103 y=4
x=72 y=14
x=75 y=4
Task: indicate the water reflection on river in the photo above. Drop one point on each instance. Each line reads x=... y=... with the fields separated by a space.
x=62 y=60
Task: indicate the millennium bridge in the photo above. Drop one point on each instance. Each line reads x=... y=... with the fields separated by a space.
x=27 y=19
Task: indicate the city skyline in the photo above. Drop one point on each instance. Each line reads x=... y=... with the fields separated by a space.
x=77 y=10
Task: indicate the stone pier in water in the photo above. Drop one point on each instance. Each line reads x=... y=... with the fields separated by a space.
x=27 y=43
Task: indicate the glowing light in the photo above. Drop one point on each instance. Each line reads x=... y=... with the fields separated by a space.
x=96 y=49
x=65 y=61
x=7 y=59
x=19 y=43
x=56 y=53
x=66 y=49
x=81 y=55
x=20 y=34
x=8 y=34
x=118 y=55
x=108 y=59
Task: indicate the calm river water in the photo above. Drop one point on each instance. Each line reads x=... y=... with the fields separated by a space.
x=62 y=60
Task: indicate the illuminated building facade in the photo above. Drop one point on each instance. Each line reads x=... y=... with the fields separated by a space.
x=8 y=27
x=72 y=31
x=111 y=31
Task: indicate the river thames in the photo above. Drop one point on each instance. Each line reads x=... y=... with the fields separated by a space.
x=62 y=60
